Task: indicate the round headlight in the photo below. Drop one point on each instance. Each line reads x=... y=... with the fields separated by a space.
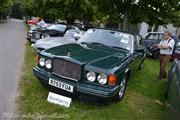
x=91 y=76
x=42 y=61
x=37 y=36
x=102 y=79
x=48 y=64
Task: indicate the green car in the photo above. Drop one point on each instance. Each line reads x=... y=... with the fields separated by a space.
x=97 y=67
x=173 y=92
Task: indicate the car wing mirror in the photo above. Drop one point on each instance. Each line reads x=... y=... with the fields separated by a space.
x=140 y=49
x=77 y=36
x=178 y=44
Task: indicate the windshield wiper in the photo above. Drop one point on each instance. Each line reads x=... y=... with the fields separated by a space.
x=96 y=43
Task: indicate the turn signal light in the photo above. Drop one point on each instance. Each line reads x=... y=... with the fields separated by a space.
x=37 y=59
x=112 y=79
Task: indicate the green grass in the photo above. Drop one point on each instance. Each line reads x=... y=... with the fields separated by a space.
x=144 y=98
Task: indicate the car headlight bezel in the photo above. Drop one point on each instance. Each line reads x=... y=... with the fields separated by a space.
x=91 y=76
x=48 y=64
x=102 y=79
x=42 y=61
x=37 y=36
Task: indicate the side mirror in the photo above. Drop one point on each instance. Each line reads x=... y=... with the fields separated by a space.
x=178 y=44
x=140 y=49
x=76 y=37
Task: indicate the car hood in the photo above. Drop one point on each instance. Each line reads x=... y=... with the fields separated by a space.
x=50 y=42
x=89 y=54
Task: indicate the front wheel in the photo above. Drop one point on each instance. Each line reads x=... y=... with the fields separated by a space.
x=121 y=91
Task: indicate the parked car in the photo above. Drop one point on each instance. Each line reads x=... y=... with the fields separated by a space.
x=54 y=30
x=33 y=29
x=153 y=38
x=69 y=37
x=97 y=67
x=37 y=27
x=87 y=26
x=79 y=25
x=177 y=51
x=32 y=22
x=173 y=92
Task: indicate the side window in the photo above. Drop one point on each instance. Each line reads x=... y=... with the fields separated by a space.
x=160 y=36
x=153 y=36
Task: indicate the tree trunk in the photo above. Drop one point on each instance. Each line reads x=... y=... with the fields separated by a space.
x=125 y=23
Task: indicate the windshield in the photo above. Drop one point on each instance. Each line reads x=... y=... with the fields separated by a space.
x=154 y=36
x=108 y=38
x=71 y=33
x=58 y=27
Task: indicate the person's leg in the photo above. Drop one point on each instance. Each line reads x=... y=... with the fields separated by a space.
x=166 y=60
x=161 y=64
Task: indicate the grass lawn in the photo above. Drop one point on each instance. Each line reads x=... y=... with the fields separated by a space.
x=144 y=98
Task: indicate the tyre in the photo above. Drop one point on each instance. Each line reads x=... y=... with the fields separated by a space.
x=121 y=91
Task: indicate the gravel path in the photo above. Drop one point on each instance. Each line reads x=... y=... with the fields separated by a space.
x=12 y=45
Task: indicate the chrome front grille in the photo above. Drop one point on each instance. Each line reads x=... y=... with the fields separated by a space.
x=67 y=69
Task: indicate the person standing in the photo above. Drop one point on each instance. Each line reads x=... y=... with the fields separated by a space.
x=166 y=47
x=41 y=22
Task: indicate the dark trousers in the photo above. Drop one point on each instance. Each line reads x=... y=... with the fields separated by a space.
x=163 y=59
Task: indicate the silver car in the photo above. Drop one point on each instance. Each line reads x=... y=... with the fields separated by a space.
x=70 y=37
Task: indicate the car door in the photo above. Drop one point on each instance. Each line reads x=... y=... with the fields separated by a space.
x=173 y=93
x=151 y=39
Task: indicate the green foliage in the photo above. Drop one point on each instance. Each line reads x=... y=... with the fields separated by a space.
x=158 y=12
x=5 y=7
x=153 y=12
x=17 y=11
x=55 y=9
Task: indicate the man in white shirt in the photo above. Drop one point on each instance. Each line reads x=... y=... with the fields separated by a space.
x=41 y=22
x=166 y=47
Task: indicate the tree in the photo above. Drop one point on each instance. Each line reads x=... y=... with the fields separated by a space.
x=17 y=11
x=127 y=12
x=65 y=9
x=5 y=7
x=158 y=12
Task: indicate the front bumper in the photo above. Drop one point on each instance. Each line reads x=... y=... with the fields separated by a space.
x=81 y=89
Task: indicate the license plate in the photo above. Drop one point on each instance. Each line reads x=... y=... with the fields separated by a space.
x=61 y=85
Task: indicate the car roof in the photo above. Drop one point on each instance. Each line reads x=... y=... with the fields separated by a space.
x=115 y=30
x=156 y=32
